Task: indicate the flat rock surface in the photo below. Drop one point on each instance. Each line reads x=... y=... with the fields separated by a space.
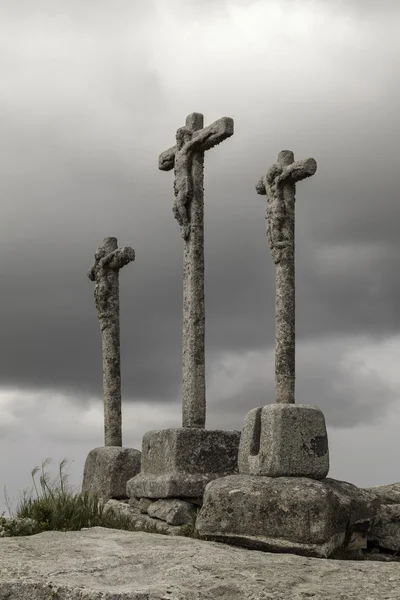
x=109 y=564
x=387 y=494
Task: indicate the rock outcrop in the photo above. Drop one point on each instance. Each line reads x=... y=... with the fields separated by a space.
x=121 y=565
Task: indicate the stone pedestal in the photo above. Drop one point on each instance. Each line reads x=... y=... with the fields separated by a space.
x=108 y=469
x=178 y=463
x=284 y=440
x=281 y=500
x=285 y=514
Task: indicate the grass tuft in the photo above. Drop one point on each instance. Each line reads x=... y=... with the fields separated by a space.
x=56 y=507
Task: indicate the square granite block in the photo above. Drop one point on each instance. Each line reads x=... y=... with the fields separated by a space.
x=108 y=469
x=284 y=440
x=180 y=462
x=284 y=514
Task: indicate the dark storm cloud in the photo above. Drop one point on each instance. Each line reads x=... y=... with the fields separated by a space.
x=85 y=167
x=329 y=375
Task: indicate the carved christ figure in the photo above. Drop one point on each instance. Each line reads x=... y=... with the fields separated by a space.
x=280 y=205
x=186 y=147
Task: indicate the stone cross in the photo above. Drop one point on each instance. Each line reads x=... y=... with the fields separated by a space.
x=109 y=259
x=279 y=185
x=187 y=159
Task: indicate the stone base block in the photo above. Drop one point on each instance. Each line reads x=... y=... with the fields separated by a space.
x=386 y=494
x=172 y=511
x=284 y=440
x=385 y=528
x=143 y=522
x=108 y=469
x=170 y=485
x=180 y=462
x=142 y=504
x=285 y=514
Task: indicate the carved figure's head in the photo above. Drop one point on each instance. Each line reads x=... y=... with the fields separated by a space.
x=183 y=135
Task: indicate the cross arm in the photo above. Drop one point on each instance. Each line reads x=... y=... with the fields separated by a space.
x=202 y=140
x=211 y=136
x=166 y=160
x=260 y=187
x=92 y=273
x=299 y=170
x=118 y=258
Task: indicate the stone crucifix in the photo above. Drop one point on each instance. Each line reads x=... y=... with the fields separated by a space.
x=279 y=185
x=109 y=259
x=187 y=159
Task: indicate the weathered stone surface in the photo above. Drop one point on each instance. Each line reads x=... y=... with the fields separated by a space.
x=140 y=503
x=385 y=527
x=180 y=462
x=387 y=494
x=171 y=485
x=195 y=501
x=284 y=514
x=173 y=511
x=108 y=469
x=284 y=440
x=187 y=159
x=141 y=521
x=109 y=259
x=121 y=565
x=279 y=185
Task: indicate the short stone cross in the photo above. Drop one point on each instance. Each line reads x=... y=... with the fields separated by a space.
x=109 y=259
x=279 y=185
x=187 y=159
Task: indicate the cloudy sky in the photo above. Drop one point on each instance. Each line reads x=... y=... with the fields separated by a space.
x=90 y=94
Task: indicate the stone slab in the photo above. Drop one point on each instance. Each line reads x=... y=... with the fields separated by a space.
x=108 y=469
x=284 y=514
x=284 y=440
x=385 y=528
x=170 y=485
x=387 y=494
x=121 y=565
x=180 y=462
x=141 y=521
x=173 y=511
x=140 y=503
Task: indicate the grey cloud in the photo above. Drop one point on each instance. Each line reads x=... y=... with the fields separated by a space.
x=69 y=178
x=325 y=378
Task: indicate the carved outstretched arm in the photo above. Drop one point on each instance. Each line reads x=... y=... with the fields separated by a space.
x=260 y=187
x=166 y=160
x=208 y=137
x=299 y=170
x=118 y=258
x=92 y=273
x=199 y=142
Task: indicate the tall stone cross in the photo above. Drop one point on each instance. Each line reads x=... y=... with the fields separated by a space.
x=187 y=159
x=109 y=259
x=279 y=185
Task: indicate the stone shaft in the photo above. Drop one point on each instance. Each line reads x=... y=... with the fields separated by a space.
x=105 y=271
x=193 y=335
x=280 y=186
x=285 y=301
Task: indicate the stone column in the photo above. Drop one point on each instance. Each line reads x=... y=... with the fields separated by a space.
x=280 y=185
x=105 y=271
x=187 y=159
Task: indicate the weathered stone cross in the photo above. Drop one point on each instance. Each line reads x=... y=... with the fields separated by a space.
x=108 y=260
x=280 y=185
x=188 y=159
